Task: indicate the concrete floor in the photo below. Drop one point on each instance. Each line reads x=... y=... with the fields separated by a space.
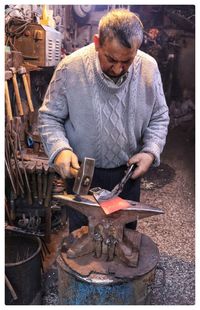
x=171 y=188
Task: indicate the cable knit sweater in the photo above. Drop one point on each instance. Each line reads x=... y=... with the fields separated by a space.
x=97 y=118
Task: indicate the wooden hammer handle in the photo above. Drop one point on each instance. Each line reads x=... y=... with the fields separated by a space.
x=8 y=103
x=27 y=90
x=17 y=94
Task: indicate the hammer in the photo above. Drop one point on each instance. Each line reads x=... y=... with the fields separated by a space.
x=8 y=76
x=22 y=72
x=16 y=89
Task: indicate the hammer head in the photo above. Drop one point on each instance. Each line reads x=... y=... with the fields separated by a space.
x=21 y=70
x=13 y=69
x=8 y=75
x=84 y=177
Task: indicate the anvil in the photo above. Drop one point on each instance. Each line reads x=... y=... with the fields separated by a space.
x=107 y=235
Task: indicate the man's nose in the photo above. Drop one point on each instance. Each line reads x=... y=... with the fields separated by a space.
x=117 y=68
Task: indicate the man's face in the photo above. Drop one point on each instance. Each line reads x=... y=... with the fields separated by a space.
x=114 y=58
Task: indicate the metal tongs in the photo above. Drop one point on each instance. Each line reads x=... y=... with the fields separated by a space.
x=103 y=194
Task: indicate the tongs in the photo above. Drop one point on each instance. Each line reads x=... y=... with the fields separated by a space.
x=103 y=194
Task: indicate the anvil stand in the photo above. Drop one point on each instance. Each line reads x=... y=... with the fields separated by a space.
x=106 y=263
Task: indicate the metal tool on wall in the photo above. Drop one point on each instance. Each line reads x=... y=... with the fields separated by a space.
x=12 y=164
x=48 y=206
x=31 y=198
x=11 y=75
x=29 y=180
x=22 y=72
x=17 y=93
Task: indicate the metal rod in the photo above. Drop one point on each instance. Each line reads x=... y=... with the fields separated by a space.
x=24 y=169
x=48 y=208
x=11 y=289
x=10 y=176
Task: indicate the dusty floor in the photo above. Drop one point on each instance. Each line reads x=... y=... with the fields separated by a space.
x=174 y=232
x=171 y=188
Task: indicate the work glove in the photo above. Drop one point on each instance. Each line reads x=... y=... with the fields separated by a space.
x=143 y=162
x=66 y=164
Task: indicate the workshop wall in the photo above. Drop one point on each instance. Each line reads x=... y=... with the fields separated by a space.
x=169 y=36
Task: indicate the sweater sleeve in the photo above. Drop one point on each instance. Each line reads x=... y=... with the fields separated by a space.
x=53 y=113
x=154 y=136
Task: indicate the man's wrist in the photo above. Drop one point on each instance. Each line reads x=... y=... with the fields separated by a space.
x=152 y=155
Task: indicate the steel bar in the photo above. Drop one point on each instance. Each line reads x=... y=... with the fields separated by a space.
x=48 y=207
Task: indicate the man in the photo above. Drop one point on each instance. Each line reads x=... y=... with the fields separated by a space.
x=106 y=101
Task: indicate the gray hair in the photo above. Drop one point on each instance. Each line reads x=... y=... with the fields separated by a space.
x=122 y=25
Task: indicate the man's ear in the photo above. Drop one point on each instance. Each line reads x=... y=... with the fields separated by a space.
x=96 y=42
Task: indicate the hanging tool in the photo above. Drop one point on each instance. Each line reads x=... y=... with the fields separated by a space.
x=31 y=167
x=29 y=193
x=44 y=180
x=47 y=205
x=11 y=140
x=10 y=176
x=8 y=75
x=8 y=155
x=39 y=169
x=17 y=127
x=17 y=94
x=22 y=72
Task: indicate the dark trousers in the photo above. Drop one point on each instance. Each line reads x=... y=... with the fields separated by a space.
x=106 y=179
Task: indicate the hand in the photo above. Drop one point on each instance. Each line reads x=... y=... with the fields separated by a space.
x=143 y=162
x=66 y=164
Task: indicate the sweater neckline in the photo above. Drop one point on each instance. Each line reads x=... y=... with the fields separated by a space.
x=105 y=85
